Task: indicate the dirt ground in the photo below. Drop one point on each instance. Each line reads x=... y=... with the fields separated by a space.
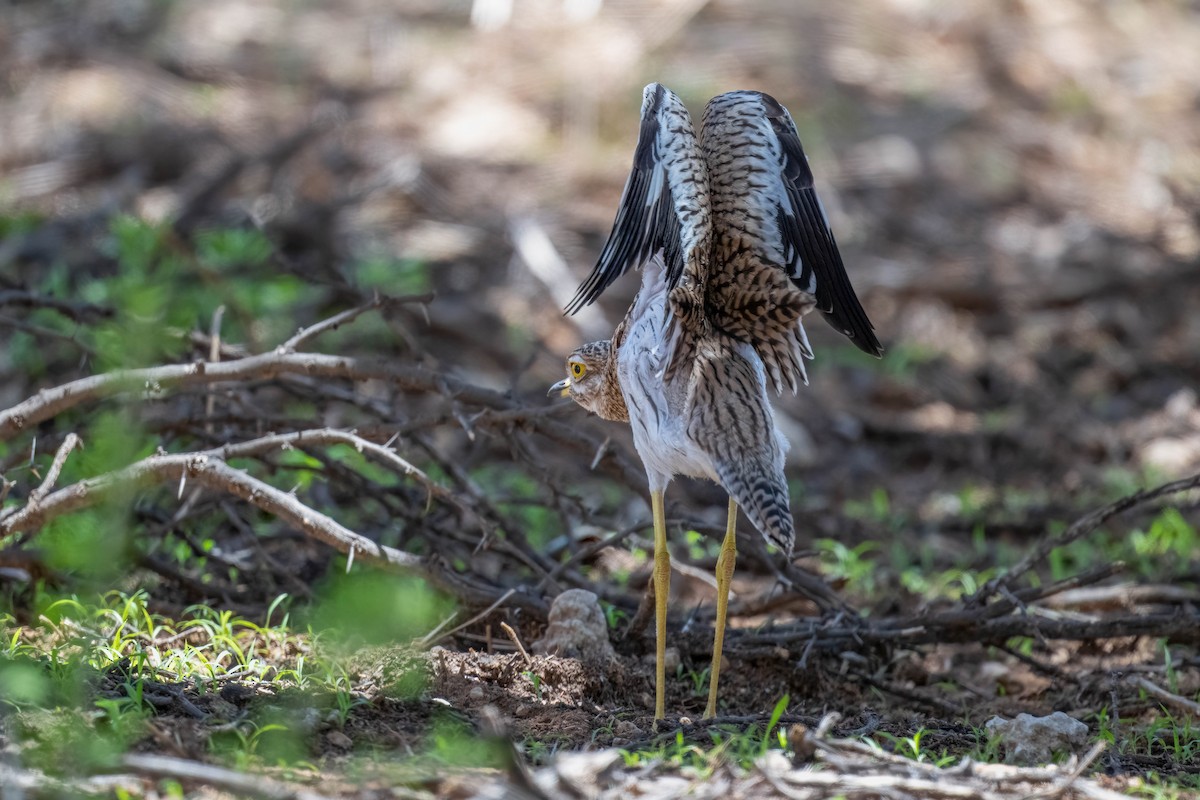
x=1014 y=188
x=549 y=705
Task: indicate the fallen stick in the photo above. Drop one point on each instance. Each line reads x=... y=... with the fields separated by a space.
x=1170 y=698
x=1078 y=529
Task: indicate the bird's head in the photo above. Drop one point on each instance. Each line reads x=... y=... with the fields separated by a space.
x=592 y=381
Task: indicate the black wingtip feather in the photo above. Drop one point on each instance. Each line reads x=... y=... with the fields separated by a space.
x=807 y=232
x=634 y=239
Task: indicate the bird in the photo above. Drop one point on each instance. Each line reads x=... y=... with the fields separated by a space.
x=735 y=248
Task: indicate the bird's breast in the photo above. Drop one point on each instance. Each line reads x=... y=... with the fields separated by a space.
x=656 y=400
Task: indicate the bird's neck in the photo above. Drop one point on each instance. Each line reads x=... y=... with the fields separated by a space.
x=613 y=405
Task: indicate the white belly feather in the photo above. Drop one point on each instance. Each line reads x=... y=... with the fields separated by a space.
x=657 y=410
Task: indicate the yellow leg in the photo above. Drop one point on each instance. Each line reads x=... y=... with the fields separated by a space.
x=725 y=563
x=662 y=587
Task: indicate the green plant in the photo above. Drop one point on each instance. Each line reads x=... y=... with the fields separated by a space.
x=122 y=713
x=536 y=680
x=776 y=714
x=698 y=677
x=987 y=749
x=244 y=743
x=848 y=564
x=729 y=744
x=698 y=545
x=613 y=615
x=910 y=747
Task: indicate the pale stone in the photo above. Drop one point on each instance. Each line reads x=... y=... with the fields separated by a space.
x=577 y=629
x=1034 y=740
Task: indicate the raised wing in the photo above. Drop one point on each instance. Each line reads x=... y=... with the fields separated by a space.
x=665 y=202
x=810 y=251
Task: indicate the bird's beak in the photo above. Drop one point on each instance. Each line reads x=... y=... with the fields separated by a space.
x=563 y=388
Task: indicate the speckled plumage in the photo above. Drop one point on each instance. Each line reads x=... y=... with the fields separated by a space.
x=735 y=249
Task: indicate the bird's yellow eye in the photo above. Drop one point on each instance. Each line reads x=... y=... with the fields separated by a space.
x=577 y=369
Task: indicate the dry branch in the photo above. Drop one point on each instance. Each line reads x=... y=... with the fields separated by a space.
x=240 y=783
x=60 y=459
x=1169 y=698
x=849 y=767
x=1181 y=626
x=51 y=402
x=1078 y=529
x=208 y=470
x=347 y=316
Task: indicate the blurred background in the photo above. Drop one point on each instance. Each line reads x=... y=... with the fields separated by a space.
x=1014 y=186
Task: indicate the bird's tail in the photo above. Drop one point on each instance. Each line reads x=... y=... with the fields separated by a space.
x=730 y=419
x=762 y=494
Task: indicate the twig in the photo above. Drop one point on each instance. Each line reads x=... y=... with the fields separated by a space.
x=51 y=402
x=56 y=466
x=210 y=471
x=1182 y=625
x=434 y=636
x=214 y=355
x=849 y=767
x=239 y=783
x=1170 y=698
x=1031 y=594
x=832 y=783
x=1081 y=527
x=337 y=320
x=517 y=641
x=1123 y=595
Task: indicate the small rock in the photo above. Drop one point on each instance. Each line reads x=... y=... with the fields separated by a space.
x=670 y=659
x=237 y=693
x=522 y=711
x=339 y=740
x=577 y=629
x=476 y=693
x=627 y=729
x=1034 y=740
